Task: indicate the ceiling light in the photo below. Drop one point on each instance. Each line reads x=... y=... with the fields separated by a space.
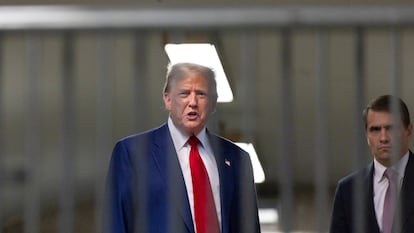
x=259 y=176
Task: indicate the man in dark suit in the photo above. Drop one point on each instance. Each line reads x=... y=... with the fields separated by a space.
x=371 y=200
x=151 y=184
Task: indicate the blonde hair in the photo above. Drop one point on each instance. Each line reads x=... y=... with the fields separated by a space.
x=179 y=70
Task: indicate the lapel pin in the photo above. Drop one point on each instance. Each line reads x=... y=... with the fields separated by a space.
x=227 y=162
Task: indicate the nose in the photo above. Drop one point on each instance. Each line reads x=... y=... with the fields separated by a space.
x=384 y=136
x=192 y=102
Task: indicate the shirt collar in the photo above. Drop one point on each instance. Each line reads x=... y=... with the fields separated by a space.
x=399 y=167
x=180 y=139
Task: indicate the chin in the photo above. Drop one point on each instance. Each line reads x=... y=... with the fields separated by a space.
x=192 y=128
x=385 y=160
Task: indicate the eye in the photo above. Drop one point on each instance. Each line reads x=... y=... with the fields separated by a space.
x=374 y=129
x=183 y=93
x=201 y=94
x=389 y=127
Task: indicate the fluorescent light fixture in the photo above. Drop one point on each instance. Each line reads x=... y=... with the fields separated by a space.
x=268 y=215
x=203 y=54
x=259 y=176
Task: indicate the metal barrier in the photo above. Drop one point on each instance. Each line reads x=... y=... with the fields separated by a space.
x=33 y=25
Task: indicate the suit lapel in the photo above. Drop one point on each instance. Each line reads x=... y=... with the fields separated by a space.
x=407 y=191
x=166 y=159
x=226 y=173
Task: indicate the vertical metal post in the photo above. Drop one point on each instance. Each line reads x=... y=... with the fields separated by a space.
x=248 y=85
x=359 y=141
x=395 y=68
x=32 y=139
x=395 y=83
x=141 y=96
x=66 y=217
x=104 y=117
x=2 y=144
x=321 y=132
x=173 y=194
x=286 y=143
x=248 y=100
x=141 y=79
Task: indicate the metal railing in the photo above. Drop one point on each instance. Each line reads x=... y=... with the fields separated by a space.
x=35 y=23
x=244 y=17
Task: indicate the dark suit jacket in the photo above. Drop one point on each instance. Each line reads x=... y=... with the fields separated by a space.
x=345 y=213
x=146 y=192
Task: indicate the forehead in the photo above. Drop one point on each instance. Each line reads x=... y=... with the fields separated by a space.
x=381 y=118
x=190 y=79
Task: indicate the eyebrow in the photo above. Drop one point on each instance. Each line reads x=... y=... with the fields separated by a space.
x=376 y=127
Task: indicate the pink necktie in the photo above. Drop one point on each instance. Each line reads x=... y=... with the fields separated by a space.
x=204 y=208
x=389 y=201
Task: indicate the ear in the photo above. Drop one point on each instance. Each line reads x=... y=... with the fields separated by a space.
x=167 y=101
x=409 y=130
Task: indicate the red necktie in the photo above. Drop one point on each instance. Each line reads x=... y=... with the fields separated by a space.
x=389 y=201
x=204 y=208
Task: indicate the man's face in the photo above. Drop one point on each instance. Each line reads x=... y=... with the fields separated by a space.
x=190 y=103
x=385 y=136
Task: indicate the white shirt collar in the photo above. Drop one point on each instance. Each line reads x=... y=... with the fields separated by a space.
x=180 y=139
x=399 y=167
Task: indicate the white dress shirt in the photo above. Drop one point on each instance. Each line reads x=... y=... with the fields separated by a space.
x=183 y=151
x=381 y=184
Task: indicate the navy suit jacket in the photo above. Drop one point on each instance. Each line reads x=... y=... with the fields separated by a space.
x=343 y=217
x=146 y=192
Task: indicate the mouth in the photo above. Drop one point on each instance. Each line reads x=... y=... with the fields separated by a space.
x=192 y=115
x=384 y=148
